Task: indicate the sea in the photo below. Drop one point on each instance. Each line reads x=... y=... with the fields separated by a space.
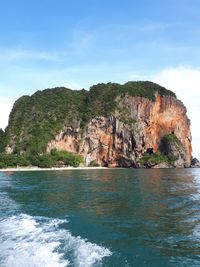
x=100 y=218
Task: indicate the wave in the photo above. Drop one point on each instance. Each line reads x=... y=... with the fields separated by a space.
x=7 y=205
x=40 y=241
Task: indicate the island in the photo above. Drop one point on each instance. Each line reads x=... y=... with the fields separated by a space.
x=134 y=125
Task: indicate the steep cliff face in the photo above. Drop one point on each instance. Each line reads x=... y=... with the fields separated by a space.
x=138 y=125
x=112 y=124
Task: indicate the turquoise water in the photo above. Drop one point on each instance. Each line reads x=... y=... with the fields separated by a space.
x=85 y=218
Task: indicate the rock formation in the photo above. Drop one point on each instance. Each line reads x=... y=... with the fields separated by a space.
x=113 y=125
x=139 y=125
x=195 y=163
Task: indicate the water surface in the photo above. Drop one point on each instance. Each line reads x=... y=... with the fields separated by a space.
x=111 y=218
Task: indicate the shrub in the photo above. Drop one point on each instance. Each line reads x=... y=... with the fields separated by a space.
x=94 y=163
x=45 y=161
x=42 y=161
x=2 y=165
x=23 y=161
x=153 y=159
x=170 y=139
x=68 y=158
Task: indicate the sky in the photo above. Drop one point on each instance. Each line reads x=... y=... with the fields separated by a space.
x=78 y=43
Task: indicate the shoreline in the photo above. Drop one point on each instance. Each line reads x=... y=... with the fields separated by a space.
x=21 y=169
x=70 y=168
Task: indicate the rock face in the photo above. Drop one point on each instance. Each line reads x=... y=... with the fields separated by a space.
x=195 y=163
x=137 y=125
x=162 y=165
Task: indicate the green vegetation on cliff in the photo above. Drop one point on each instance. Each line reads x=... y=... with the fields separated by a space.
x=36 y=119
x=103 y=96
x=55 y=158
x=170 y=139
x=150 y=160
x=169 y=151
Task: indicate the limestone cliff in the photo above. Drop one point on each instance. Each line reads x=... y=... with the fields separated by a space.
x=138 y=125
x=112 y=124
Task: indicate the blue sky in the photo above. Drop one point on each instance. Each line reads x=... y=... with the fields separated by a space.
x=47 y=43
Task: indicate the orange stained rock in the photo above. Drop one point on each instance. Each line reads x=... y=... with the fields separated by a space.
x=106 y=140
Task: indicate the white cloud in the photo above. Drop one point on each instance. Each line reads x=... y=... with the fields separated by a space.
x=185 y=82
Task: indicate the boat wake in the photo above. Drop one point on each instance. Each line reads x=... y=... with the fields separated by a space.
x=40 y=241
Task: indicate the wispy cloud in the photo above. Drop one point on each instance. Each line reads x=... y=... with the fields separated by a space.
x=82 y=41
x=144 y=27
x=17 y=54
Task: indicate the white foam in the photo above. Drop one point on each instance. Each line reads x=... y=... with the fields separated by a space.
x=7 y=205
x=86 y=254
x=38 y=241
